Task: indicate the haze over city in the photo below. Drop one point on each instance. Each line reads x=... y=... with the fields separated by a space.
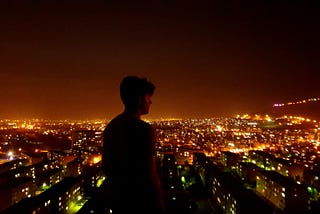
x=66 y=60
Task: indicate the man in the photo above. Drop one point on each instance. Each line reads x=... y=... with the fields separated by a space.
x=129 y=155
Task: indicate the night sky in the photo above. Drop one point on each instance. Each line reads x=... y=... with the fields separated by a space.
x=66 y=60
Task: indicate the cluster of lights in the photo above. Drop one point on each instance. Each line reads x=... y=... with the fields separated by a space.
x=298 y=119
x=297 y=102
x=255 y=117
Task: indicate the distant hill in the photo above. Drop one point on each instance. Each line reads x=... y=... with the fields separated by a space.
x=309 y=110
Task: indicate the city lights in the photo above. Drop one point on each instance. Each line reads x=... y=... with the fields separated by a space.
x=282 y=138
x=297 y=102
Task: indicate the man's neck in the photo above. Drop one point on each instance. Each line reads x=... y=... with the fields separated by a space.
x=132 y=113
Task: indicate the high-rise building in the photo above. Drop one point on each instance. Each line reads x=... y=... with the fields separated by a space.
x=86 y=143
x=283 y=192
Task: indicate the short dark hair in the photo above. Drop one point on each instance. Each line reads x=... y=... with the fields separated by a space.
x=132 y=88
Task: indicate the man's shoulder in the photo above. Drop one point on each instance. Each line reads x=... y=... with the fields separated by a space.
x=116 y=121
x=138 y=125
x=143 y=124
x=121 y=120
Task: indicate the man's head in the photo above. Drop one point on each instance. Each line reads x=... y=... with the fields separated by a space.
x=135 y=93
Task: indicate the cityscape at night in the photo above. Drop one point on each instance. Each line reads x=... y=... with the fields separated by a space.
x=235 y=110
x=212 y=165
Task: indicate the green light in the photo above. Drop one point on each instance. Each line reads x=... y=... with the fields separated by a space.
x=74 y=207
x=183 y=179
x=100 y=182
x=313 y=193
x=45 y=187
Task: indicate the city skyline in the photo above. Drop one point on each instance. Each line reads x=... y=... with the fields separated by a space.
x=66 y=60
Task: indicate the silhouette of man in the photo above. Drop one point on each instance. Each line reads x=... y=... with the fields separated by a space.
x=128 y=153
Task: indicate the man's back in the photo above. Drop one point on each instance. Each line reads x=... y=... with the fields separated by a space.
x=128 y=145
x=128 y=151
